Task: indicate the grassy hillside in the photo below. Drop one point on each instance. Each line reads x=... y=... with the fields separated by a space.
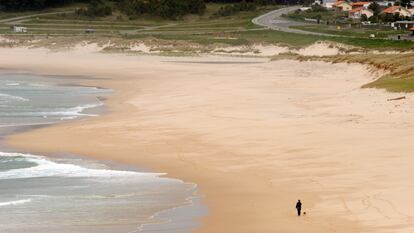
x=399 y=69
x=208 y=28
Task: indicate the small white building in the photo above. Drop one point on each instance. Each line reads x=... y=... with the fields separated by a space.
x=19 y=29
x=385 y=3
x=328 y=3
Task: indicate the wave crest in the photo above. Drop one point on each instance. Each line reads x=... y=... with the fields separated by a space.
x=18 y=202
x=48 y=168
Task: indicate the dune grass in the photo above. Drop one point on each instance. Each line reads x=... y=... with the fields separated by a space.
x=399 y=67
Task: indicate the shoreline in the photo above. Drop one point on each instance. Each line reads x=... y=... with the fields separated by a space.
x=217 y=162
x=156 y=223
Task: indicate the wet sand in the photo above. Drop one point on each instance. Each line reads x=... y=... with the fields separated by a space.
x=255 y=137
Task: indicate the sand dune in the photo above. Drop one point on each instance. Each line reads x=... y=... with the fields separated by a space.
x=255 y=135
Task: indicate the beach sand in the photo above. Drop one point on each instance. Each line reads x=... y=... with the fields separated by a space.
x=255 y=135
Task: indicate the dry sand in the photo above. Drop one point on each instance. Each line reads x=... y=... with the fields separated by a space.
x=254 y=135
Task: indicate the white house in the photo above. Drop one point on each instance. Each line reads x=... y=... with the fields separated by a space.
x=402 y=11
x=359 y=12
x=342 y=6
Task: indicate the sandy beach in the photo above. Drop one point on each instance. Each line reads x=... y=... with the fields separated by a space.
x=255 y=135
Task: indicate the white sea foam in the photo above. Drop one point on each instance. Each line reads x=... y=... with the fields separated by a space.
x=12 y=97
x=72 y=113
x=48 y=168
x=68 y=118
x=12 y=84
x=18 y=202
x=37 y=85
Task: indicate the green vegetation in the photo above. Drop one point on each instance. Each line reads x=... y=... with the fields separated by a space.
x=338 y=23
x=72 y=22
x=352 y=31
x=316 y=12
x=209 y=25
x=96 y=8
x=168 y=9
x=208 y=28
x=227 y=10
x=298 y=40
x=400 y=67
x=23 y=5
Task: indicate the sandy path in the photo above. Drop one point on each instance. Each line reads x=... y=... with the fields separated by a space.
x=255 y=137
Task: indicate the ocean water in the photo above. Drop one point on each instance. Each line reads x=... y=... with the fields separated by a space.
x=33 y=100
x=70 y=194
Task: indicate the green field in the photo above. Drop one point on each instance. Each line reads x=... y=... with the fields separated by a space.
x=353 y=31
x=71 y=23
x=206 y=29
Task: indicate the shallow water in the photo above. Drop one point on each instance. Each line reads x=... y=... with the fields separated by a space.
x=30 y=100
x=70 y=194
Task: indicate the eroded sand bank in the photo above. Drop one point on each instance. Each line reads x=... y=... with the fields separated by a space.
x=254 y=135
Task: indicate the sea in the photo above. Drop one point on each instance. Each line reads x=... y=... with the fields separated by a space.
x=66 y=193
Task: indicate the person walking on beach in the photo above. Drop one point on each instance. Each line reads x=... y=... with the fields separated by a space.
x=299 y=207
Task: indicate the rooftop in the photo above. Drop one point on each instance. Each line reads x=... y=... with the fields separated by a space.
x=392 y=9
x=360 y=3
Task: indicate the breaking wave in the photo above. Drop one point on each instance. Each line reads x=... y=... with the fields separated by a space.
x=43 y=167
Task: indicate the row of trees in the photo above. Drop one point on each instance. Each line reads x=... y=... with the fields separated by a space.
x=96 y=8
x=21 y=5
x=235 y=8
x=257 y=2
x=171 y=9
x=242 y=5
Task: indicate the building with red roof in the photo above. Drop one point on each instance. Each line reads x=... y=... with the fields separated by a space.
x=356 y=5
x=402 y=11
x=359 y=12
x=342 y=6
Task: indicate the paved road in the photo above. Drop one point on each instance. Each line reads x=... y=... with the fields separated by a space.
x=274 y=20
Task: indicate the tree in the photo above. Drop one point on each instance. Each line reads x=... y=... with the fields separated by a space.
x=364 y=18
x=96 y=8
x=23 y=5
x=171 y=9
x=373 y=19
x=390 y=17
x=405 y=3
x=318 y=8
x=375 y=7
x=196 y=6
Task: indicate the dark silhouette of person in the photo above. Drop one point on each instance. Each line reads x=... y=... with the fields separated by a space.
x=299 y=207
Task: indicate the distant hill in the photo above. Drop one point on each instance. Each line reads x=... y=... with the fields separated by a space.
x=25 y=5
x=169 y=9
